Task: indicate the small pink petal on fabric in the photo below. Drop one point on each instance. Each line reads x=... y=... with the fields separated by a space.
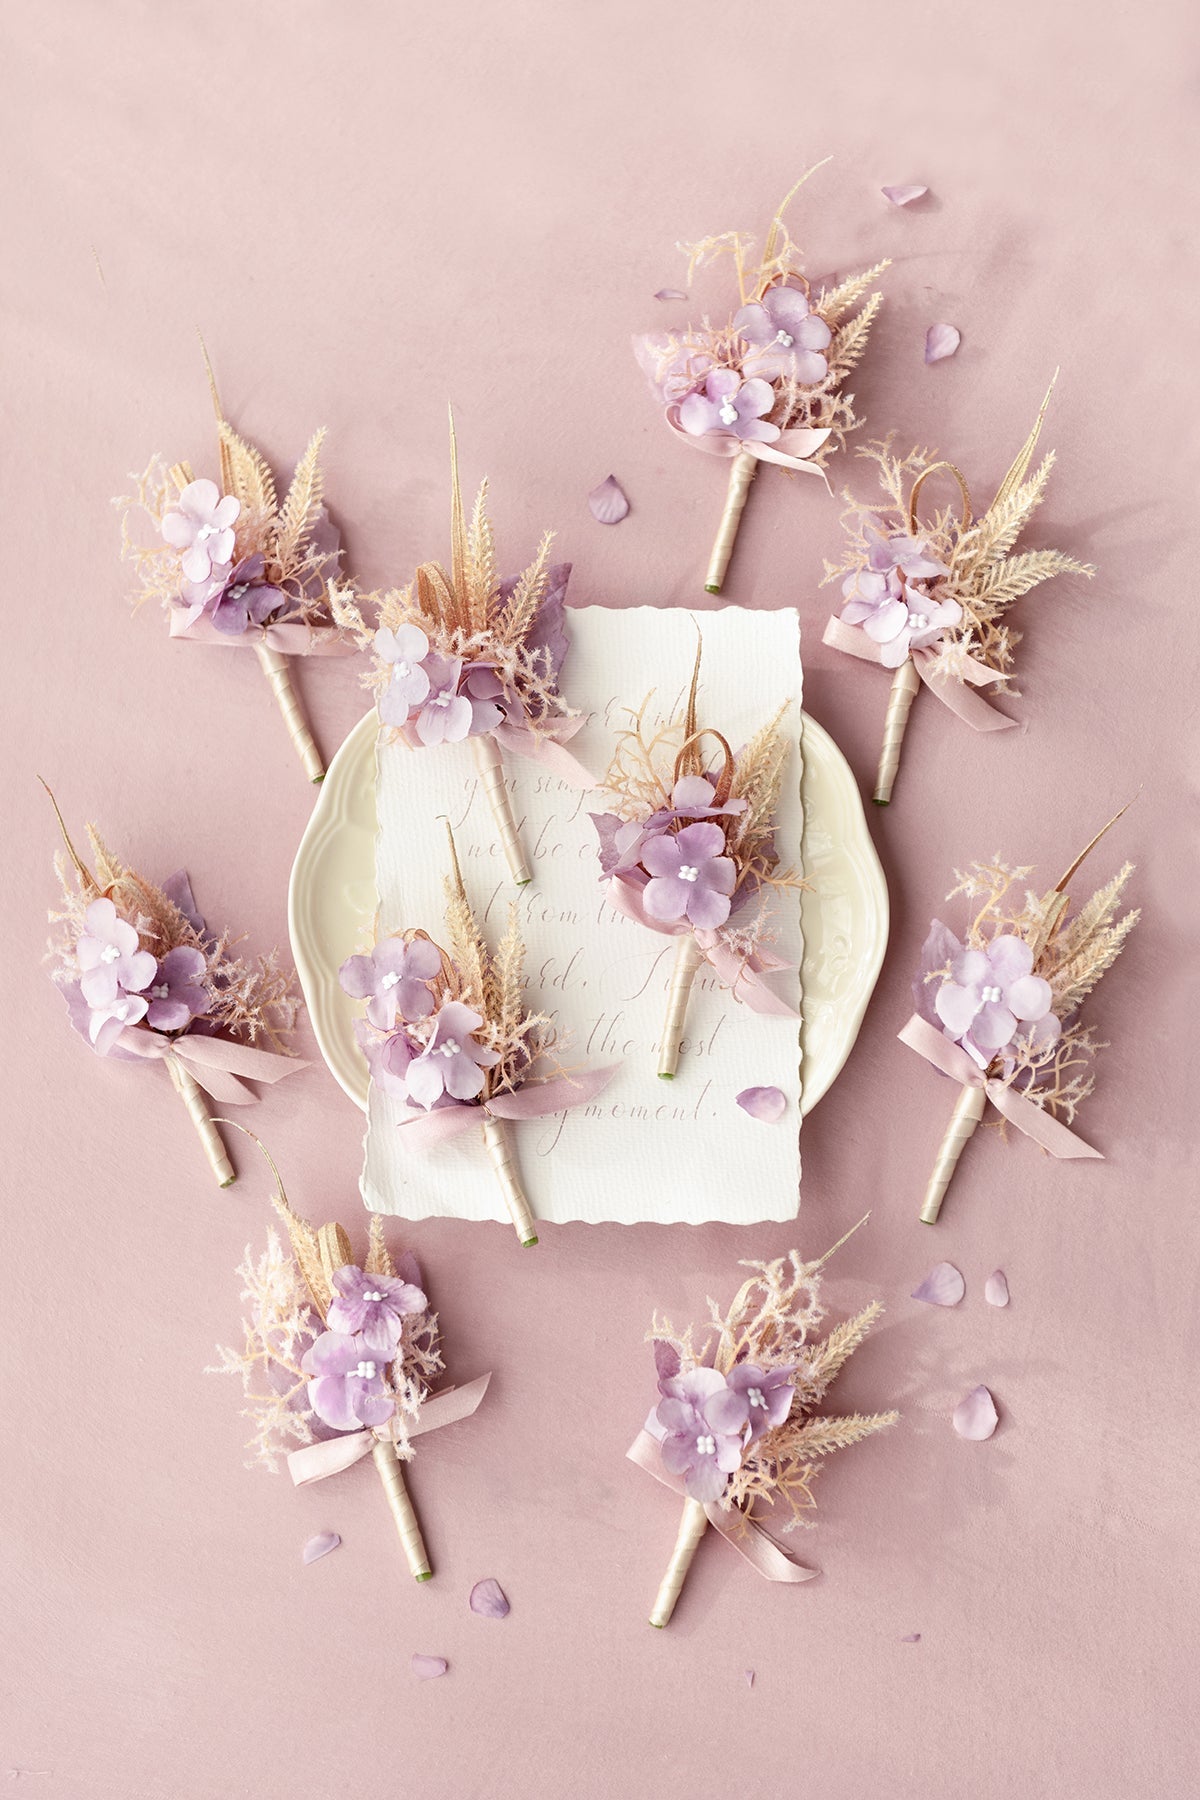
x=320 y=1546
x=608 y=502
x=941 y=341
x=428 y=1668
x=488 y=1599
x=670 y=294
x=976 y=1417
x=765 y=1103
x=995 y=1288
x=749 y=1674
x=943 y=1286
x=903 y=196
x=914 y=1637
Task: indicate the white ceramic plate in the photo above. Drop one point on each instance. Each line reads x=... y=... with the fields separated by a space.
x=332 y=899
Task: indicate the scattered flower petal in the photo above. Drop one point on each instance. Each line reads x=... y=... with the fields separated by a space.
x=914 y=1637
x=976 y=1417
x=766 y=1103
x=904 y=196
x=670 y=294
x=320 y=1546
x=488 y=1599
x=608 y=502
x=749 y=1674
x=995 y=1288
x=943 y=1286
x=428 y=1668
x=940 y=341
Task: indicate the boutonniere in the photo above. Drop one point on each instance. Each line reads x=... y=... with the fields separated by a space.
x=338 y=1362
x=738 y=1420
x=768 y=385
x=464 y=655
x=448 y=1033
x=145 y=978
x=998 y=1008
x=929 y=598
x=690 y=850
x=240 y=565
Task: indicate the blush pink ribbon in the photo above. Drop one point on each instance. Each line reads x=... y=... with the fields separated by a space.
x=548 y=750
x=739 y=973
x=289 y=637
x=538 y=1100
x=737 y=1528
x=215 y=1062
x=791 y=450
x=960 y=697
x=1032 y=1120
x=316 y=1462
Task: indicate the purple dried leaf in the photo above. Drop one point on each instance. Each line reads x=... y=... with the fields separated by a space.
x=766 y=1103
x=941 y=341
x=943 y=1286
x=428 y=1668
x=976 y=1417
x=319 y=1546
x=995 y=1288
x=666 y=1360
x=488 y=1599
x=904 y=196
x=409 y=1269
x=608 y=502
x=670 y=294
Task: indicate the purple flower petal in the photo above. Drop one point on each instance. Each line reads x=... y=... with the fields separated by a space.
x=976 y=1417
x=941 y=341
x=749 y=1677
x=914 y=1637
x=608 y=502
x=666 y=1360
x=904 y=196
x=765 y=1103
x=995 y=1288
x=488 y=1599
x=319 y=1546
x=428 y=1668
x=943 y=1286
x=670 y=294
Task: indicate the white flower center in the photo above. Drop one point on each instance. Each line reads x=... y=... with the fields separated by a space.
x=989 y=995
x=240 y=588
x=785 y=338
x=372 y=1295
x=706 y=1446
x=161 y=992
x=451 y=1047
x=728 y=413
x=110 y=954
x=443 y=699
x=687 y=873
x=917 y=621
x=205 y=532
x=755 y=1397
x=403 y=669
x=367 y=1371
x=390 y=980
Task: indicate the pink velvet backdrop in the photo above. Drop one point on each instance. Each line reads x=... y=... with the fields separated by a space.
x=368 y=209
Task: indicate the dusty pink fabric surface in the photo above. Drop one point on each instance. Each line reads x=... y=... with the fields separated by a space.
x=369 y=209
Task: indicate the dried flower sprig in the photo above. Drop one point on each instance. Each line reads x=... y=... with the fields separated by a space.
x=998 y=1009
x=143 y=976
x=239 y=565
x=449 y=1034
x=930 y=599
x=692 y=853
x=461 y=654
x=769 y=385
x=338 y=1359
x=738 y=1422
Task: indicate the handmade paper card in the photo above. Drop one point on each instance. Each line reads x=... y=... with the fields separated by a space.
x=644 y=1149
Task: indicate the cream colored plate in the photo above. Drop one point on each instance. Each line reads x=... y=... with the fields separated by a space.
x=332 y=898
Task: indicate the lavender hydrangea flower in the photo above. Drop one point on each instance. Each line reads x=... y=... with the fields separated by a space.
x=990 y=992
x=704 y=1419
x=406 y=649
x=105 y=1024
x=446 y=716
x=201 y=527
x=348 y=1388
x=691 y=878
x=768 y=1392
x=109 y=958
x=452 y=1061
x=889 y=597
x=786 y=337
x=246 y=599
x=176 y=996
x=392 y=980
x=730 y=405
x=373 y=1308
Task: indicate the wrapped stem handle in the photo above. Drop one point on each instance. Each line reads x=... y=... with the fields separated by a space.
x=392 y=1478
x=968 y=1110
x=688 y=957
x=490 y=763
x=741 y=474
x=275 y=668
x=692 y=1528
x=499 y=1148
x=190 y=1092
x=905 y=683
